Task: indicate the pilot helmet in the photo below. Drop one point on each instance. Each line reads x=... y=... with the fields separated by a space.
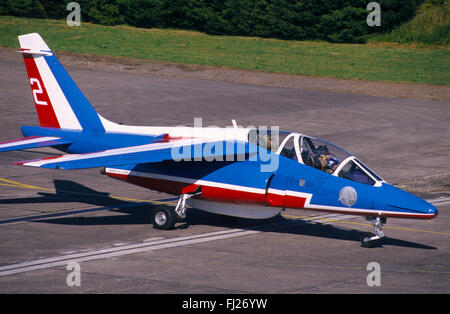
x=332 y=161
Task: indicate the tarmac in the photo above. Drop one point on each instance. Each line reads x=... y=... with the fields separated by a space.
x=52 y=218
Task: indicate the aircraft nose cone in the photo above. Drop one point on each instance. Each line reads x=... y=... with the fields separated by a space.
x=403 y=201
x=432 y=210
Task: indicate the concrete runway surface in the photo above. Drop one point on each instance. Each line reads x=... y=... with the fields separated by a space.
x=50 y=218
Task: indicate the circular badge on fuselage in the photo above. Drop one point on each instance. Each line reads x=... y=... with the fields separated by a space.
x=348 y=196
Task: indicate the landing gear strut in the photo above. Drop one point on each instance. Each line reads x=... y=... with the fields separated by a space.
x=369 y=239
x=180 y=209
x=164 y=217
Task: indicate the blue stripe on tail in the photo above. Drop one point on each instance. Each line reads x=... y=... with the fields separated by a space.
x=86 y=114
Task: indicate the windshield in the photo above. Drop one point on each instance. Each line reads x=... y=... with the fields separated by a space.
x=356 y=171
x=321 y=154
x=352 y=171
x=373 y=174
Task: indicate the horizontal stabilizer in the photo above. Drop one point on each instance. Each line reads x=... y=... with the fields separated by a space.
x=32 y=142
x=178 y=150
x=36 y=52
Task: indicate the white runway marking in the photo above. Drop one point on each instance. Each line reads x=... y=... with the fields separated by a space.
x=152 y=245
x=121 y=250
x=440 y=201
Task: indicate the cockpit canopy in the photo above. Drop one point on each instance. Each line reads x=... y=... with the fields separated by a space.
x=316 y=153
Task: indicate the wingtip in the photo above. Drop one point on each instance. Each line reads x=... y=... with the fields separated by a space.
x=22 y=163
x=36 y=162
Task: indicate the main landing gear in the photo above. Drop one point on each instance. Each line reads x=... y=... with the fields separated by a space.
x=369 y=239
x=164 y=217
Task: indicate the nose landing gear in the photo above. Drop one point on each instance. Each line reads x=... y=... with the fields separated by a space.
x=369 y=240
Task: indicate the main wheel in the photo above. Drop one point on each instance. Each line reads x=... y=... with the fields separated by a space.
x=163 y=217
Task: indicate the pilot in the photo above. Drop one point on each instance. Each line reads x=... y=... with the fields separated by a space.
x=323 y=155
x=267 y=142
x=328 y=163
x=322 y=161
x=332 y=164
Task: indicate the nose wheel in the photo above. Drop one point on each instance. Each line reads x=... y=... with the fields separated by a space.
x=369 y=239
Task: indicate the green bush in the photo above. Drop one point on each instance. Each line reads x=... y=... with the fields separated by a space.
x=431 y=25
x=333 y=20
x=346 y=25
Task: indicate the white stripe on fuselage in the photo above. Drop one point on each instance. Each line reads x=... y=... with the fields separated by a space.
x=220 y=134
x=306 y=196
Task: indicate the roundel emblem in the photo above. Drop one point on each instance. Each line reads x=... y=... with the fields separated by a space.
x=348 y=196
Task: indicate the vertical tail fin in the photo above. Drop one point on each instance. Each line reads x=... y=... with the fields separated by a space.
x=59 y=102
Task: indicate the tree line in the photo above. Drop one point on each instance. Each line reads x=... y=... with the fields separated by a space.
x=331 y=20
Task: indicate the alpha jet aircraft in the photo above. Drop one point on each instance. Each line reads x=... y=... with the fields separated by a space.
x=242 y=172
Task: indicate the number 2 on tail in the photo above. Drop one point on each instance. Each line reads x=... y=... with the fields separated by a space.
x=37 y=91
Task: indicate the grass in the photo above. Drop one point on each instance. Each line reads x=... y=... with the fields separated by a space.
x=375 y=62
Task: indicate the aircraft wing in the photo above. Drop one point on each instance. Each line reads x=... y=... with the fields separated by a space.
x=186 y=149
x=31 y=142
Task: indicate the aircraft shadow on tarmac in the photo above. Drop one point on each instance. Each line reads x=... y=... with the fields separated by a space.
x=129 y=212
x=68 y=192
